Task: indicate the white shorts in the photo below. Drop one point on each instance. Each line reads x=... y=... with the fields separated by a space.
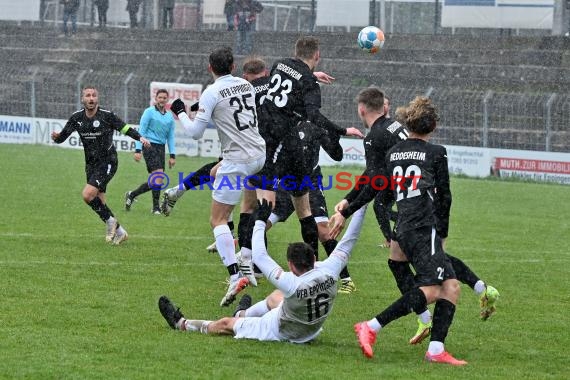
x=230 y=180
x=265 y=328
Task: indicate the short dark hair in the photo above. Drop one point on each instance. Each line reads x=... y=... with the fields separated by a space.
x=372 y=98
x=221 y=61
x=301 y=255
x=89 y=87
x=161 y=91
x=420 y=115
x=254 y=65
x=306 y=47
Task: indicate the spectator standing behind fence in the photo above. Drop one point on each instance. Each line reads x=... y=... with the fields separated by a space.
x=245 y=14
x=133 y=9
x=229 y=11
x=167 y=10
x=70 y=8
x=102 y=7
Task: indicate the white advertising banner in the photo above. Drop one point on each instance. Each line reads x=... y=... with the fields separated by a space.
x=353 y=154
x=16 y=130
x=210 y=144
x=536 y=166
x=480 y=162
x=343 y=13
x=21 y=10
x=213 y=12
x=190 y=94
x=514 y=14
x=469 y=161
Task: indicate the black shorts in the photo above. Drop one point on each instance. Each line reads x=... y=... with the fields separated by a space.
x=285 y=161
x=423 y=247
x=284 y=205
x=99 y=174
x=154 y=157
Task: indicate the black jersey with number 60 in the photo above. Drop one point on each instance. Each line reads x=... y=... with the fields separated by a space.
x=420 y=178
x=294 y=95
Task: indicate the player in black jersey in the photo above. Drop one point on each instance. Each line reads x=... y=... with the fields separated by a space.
x=379 y=140
x=330 y=142
x=255 y=72
x=417 y=169
x=96 y=127
x=293 y=98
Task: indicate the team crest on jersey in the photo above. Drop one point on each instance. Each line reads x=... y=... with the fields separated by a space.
x=96 y=124
x=301 y=135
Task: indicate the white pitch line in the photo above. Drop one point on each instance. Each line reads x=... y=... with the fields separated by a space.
x=150 y=237
x=214 y=262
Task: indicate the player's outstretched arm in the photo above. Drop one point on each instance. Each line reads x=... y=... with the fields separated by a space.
x=339 y=257
x=194 y=128
x=274 y=273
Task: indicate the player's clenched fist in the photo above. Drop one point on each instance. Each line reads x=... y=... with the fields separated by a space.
x=178 y=107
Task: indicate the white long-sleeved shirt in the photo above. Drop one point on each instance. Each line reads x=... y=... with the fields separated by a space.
x=230 y=104
x=308 y=298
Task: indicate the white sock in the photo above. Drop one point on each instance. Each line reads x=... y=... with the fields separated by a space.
x=120 y=231
x=193 y=325
x=374 y=324
x=225 y=244
x=435 y=347
x=479 y=287
x=257 y=310
x=425 y=317
x=246 y=253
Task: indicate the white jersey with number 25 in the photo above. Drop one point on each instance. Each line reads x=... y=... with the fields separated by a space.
x=230 y=104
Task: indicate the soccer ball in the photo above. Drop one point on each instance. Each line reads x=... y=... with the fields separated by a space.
x=371 y=39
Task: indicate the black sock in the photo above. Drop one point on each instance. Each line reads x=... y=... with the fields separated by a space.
x=143 y=188
x=310 y=233
x=442 y=319
x=404 y=278
x=108 y=210
x=245 y=230
x=101 y=209
x=233 y=269
x=200 y=177
x=412 y=300
x=402 y=274
x=329 y=247
x=231 y=226
x=155 y=199
x=463 y=272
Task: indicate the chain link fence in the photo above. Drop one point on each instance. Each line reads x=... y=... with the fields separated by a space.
x=525 y=121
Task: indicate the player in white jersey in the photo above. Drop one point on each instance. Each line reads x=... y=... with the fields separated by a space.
x=229 y=103
x=304 y=298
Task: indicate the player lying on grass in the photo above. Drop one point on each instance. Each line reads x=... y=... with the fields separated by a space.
x=304 y=298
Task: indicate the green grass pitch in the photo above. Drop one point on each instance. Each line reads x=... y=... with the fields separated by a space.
x=75 y=307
